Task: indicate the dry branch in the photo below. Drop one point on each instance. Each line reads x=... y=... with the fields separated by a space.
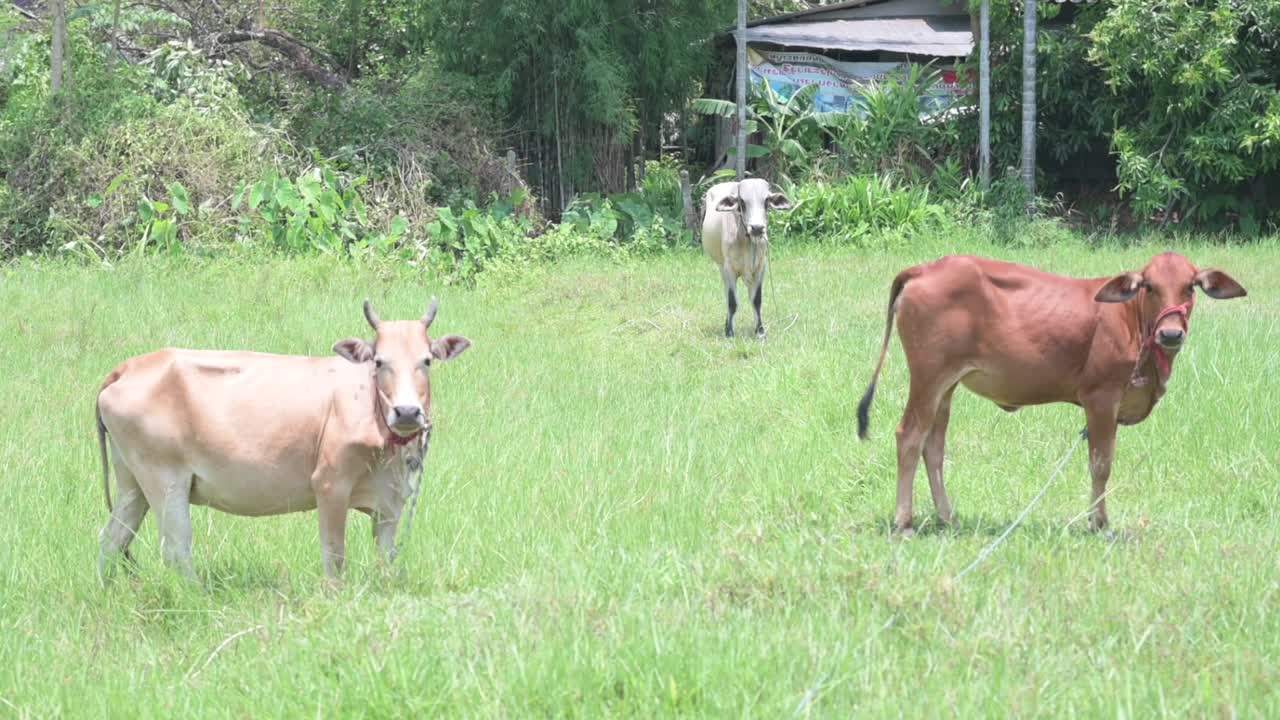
x=295 y=50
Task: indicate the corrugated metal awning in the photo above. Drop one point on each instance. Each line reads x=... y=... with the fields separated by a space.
x=939 y=36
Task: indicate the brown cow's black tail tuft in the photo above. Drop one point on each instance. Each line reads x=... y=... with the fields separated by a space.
x=864 y=407
x=864 y=410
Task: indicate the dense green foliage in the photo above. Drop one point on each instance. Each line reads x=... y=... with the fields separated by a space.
x=1200 y=130
x=368 y=117
x=1173 y=103
x=581 y=80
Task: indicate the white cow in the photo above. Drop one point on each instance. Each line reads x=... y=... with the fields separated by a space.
x=735 y=235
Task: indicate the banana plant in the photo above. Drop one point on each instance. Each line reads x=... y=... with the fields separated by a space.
x=791 y=132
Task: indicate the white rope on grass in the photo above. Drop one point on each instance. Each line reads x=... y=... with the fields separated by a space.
x=193 y=673
x=807 y=700
x=986 y=552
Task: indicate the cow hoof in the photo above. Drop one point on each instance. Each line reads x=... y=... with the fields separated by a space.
x=760 y=333
x=905 y=532
x=1097 y=524
x=728 y=332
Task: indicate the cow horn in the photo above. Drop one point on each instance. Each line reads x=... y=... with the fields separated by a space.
x=431 y=313
x=371 y=316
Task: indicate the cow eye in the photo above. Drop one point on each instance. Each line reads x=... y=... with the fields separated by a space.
x=426 y=362
x=378 y=363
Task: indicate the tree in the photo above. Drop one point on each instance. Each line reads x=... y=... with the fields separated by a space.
x=1194 y=118
x=580 y=80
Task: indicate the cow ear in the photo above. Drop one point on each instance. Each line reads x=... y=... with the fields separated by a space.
x=778 y=201
x=1219 y=285
x=449 y=347
x=728 y=204
x=1121 y=288
x=354 y=349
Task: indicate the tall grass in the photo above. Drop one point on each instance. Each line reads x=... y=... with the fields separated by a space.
x=626 y=514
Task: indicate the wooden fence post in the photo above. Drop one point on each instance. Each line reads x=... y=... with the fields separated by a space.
x=686 y=195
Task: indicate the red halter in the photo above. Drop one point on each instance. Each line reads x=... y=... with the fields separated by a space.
x=394 y=440
x=1162 y=360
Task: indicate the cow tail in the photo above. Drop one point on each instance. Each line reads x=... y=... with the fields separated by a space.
x=102 y=440
x=102 y=449
x=864 y=407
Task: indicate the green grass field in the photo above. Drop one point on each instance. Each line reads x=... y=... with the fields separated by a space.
x=626 y=514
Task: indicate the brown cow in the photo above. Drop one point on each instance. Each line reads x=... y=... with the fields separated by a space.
x=1019 y=337
x=257 y=434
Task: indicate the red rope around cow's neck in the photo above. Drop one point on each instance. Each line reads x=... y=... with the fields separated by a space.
x=394 y=440
x=1163 y=363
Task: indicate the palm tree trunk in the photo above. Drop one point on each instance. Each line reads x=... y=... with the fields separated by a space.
x=1029 y=97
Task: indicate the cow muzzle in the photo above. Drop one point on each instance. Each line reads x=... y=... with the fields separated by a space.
x=406 y=419
x=1171 y=338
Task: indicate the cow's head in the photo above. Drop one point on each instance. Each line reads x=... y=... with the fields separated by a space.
x=401 y=355
x=751 y=201
x=1166 y=290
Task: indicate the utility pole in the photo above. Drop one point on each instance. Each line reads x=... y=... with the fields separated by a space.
x=742 y=90
x=984 y=95
x=1029 y=97
x=59 y=49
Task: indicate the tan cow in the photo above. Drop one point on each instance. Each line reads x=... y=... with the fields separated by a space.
x=1019 y=337
x=735 y=237
x=256 y=434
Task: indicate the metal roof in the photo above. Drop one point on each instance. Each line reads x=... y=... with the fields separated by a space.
x=917 y=27
x=848 y=4
x=940 y=36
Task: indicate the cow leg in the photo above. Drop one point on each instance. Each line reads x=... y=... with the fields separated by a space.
x=1101 y=423
x=757 y=298
x=384 y=534
x=934 y=450
x=917 y=421
x=122 y=525
x=332 y=506
x=731 y=295
x=173 y=514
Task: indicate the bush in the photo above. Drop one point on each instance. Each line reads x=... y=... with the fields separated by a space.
x=81 y=170
x=320 y=210
x=890 y=137
x=851 y=211
x=1197 y=115
x=425 y=140
x=209 y=154
x=661 y=187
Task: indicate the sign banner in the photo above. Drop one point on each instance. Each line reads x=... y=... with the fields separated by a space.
x=839 y=83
